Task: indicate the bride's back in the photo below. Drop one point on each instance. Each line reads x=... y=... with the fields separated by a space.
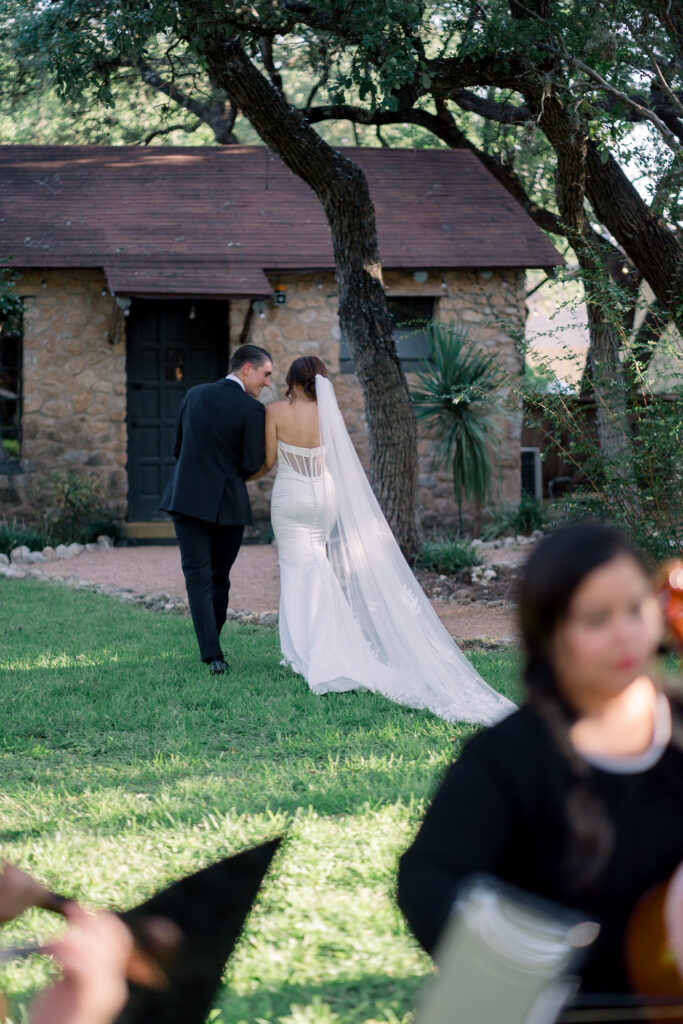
x=297 y=422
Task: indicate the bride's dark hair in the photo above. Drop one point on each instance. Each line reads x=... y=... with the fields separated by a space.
x=303 y=372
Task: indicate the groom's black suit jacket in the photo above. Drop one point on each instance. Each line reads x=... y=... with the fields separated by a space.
x=219 y=442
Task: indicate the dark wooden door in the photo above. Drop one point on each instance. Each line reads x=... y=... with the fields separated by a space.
x=171 y=345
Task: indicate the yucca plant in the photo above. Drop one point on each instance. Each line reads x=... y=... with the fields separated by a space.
x=455 y=397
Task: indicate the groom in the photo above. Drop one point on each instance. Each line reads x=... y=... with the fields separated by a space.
x=219 y=443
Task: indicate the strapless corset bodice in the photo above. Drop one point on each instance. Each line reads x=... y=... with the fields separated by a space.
x=307 y=462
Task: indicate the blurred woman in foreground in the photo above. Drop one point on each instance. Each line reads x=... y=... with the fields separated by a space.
x=577 y=797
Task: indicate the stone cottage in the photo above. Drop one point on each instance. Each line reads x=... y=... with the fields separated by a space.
x=140 y=269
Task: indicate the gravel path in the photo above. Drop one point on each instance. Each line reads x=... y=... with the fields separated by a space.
x=255 y=580
x=254 y=585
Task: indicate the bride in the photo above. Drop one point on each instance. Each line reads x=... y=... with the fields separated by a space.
x=351 y=612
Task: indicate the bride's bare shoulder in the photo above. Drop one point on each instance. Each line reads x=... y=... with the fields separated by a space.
x=274 y=410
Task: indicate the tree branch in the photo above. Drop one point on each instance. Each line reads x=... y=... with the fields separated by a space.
x=444 y=127
x=266 y=51
x=215 y=115
x=312 y=16
x=503 y=113
x=450 y=74
x=314 y=89
x=155 y=81
x=649 y=115
x=180 y=126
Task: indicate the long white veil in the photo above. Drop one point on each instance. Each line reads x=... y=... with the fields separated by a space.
x=391 y=609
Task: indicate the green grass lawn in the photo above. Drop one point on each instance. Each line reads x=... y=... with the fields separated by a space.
x=125 y=765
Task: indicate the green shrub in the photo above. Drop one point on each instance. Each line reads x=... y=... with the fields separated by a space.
x=75 y=508
x=14 y=533
x=524 y=518
x=646 y=533
x=69 y=507
x=11 y=447
x=447 y=556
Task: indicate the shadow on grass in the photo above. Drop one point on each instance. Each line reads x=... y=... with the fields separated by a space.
x=148 y=716
x=103 y=804
x=369 y=997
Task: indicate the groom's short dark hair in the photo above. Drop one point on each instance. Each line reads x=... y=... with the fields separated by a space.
x=253 y=354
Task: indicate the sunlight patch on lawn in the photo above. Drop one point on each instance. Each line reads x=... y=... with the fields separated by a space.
x=125 y=766
x=63 y=660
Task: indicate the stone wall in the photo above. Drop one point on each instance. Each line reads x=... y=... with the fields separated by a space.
x=74 y=380
x=491 y=303
x=74 y=364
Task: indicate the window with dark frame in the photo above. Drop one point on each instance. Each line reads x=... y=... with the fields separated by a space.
x=10 y=392
x=409 y=315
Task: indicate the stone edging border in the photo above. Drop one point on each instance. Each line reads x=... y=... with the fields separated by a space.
x=161 y=601
x=22 y=565
x=156 y=601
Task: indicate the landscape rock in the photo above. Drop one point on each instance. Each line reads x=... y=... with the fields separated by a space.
x=50 y=553
x=12 y=572
x=159 y=597
x=62 y=551
x=36 y=556
x=104 y=542
x=268 y=619
x=243 y=616
x=76 y=549
x=19 y=554
x=4 y=559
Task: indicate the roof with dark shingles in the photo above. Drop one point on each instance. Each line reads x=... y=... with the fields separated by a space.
x=162 y=219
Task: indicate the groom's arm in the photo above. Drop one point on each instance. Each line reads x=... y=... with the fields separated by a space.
x=254 y=445
x=271 y=441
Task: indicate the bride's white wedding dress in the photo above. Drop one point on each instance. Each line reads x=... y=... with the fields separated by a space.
x=351 y=612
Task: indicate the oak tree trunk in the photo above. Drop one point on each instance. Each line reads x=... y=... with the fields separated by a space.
x=605 y=368
x=610 y=391
x=364 y=318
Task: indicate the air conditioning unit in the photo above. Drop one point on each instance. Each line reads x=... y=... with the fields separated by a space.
x=532 y=477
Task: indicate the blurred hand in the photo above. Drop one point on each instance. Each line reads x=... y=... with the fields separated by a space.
x=93 y=955
x=18 y=891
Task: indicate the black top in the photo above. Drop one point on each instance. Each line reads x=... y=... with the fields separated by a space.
x=219 y=442
x=501 y=809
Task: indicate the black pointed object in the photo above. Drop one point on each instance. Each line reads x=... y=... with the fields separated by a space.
x=210 y=908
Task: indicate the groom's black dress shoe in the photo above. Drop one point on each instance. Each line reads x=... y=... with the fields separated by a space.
x=217 y=666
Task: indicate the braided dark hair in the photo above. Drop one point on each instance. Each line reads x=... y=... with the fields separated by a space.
x=551 y=576
x=303 y=372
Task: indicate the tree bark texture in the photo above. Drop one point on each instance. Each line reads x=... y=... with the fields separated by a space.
x=610 y=390
x=606 y=371
x=644 y=238
x=364 y=318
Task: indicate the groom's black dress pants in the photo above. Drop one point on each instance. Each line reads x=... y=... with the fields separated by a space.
x=207 y=553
